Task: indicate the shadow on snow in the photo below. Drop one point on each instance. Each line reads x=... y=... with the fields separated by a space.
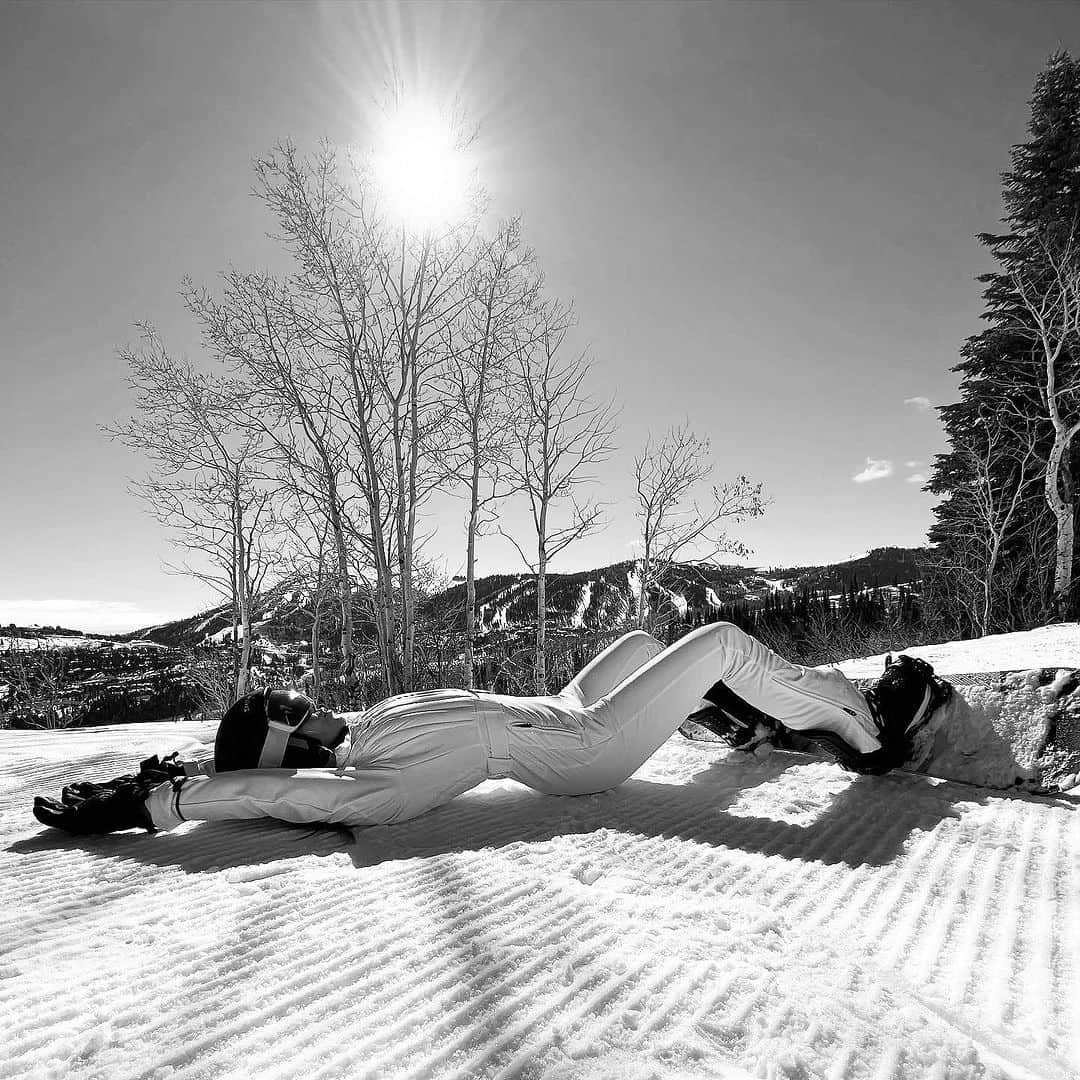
x=865 y=823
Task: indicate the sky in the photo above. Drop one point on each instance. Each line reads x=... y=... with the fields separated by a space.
x=764 y=214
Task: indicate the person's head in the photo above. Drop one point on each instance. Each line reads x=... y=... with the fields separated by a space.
x=277 y=729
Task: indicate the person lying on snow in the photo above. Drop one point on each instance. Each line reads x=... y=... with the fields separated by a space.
x=274 y=754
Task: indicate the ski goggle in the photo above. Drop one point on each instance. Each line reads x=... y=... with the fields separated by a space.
x=287 y=747
x=278 y=734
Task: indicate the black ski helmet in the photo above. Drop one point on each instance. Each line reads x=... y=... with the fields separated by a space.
x=259 y=732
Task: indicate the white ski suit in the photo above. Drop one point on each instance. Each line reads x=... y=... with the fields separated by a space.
x=417 y=751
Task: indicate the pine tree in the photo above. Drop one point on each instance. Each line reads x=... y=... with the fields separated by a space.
x=999 y=428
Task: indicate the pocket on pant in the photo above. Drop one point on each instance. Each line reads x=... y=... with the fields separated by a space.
x=823 y=706
x=524 y=724
x=816 y=685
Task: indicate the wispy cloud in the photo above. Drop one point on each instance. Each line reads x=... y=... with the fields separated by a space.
x=876 y=469
x=100 y=616
x=913 y=464
x=917 y=478
x=921 y=404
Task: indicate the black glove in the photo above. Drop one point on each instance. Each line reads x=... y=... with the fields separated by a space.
x=87 y=807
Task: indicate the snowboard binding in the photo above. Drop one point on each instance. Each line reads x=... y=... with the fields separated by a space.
x=734 y=721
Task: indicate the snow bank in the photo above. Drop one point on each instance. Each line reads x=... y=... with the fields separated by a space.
x=1048 y=646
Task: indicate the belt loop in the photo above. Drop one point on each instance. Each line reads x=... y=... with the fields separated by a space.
x=496 y=743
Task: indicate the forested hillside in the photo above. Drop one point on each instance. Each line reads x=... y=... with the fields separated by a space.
x=601 y=599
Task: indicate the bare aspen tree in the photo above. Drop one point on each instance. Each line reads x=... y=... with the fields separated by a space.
x=680 y=512
x=256 y=325
x=493 y=328
x=209 y=484
x=420 y=282
x=306 y=340
x=1004 y=473
x=309 y=566
x=330 y=310
x=1048 y=313
x=561 y=434
x=373 y=299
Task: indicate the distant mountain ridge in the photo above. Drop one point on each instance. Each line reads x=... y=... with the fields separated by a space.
x=593 y=599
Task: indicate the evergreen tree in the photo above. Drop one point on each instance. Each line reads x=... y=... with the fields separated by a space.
x=995 y=536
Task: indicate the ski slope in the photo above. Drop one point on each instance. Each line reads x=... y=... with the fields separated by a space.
x=716 y=916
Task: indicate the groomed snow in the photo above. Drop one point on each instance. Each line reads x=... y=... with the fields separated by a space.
x=716 y=916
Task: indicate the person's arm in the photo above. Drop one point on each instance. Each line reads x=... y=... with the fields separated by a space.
x=155 y=799
x=305 y=796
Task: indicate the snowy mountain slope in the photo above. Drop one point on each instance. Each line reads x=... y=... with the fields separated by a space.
x=598 y=599
x=716 y=916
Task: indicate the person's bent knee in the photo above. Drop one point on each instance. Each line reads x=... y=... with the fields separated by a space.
x=722 y=645
x=643 y=639
x=634 y=635
x=726 y=634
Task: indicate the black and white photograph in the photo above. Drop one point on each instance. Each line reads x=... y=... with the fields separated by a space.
x=540 y=540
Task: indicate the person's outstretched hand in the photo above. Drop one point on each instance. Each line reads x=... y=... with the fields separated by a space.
x=88 y=807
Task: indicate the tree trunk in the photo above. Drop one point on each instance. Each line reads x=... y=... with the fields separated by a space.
x=400 y=512
x=316 y=636
x=243 y=681
x=1065 y=518
x=988 y=579
x=385 y=615
x=540 y=666
x=1063 y=560
x=470 y=576
x=234 y=613
x=1068 y=493
x=348 y=660
x=411 y=374
x=408 y=583
x=644 y=581
x=401 y=672
x=235 y=635
x=344 y=579
x=391 y=659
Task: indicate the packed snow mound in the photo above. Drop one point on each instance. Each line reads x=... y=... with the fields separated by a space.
x=1020 y=730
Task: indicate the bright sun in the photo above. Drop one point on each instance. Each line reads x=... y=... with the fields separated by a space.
x=422 y=170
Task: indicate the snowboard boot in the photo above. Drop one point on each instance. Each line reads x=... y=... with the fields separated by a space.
x=734 y=721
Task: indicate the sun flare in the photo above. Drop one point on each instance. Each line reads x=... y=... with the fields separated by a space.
x=421 y=167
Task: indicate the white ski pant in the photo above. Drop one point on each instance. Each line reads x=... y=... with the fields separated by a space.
x=414 y=752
